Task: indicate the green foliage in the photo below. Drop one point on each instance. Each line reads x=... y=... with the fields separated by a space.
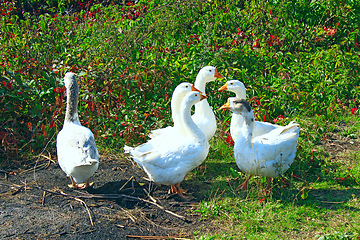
x=298 y=59
x=130 y=58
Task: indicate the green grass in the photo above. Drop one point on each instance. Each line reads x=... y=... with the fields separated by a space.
x=313 y=202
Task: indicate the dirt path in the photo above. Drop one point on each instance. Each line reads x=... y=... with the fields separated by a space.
x=28 y=212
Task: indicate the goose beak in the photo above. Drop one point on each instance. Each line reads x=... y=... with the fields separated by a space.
x=223 y=88
x=226 y=106
x=202 y=97
x=217 y=74
x=193 y=88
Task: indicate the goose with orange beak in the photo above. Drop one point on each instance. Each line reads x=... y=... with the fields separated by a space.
x=178 y=94
x=167 y=158
x=204 y=116
x=268 y=155
x=260 y=127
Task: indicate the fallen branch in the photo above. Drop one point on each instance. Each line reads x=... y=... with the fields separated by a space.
x=114 y=196
x=87 y=209
x=82 y=202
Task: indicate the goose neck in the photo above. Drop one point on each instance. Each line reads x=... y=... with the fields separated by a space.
x=175 y=109
x=240 y=94
x=236 y=124
x=71 y=114
x=200 y=83
x=248 y=127
x=188 y=126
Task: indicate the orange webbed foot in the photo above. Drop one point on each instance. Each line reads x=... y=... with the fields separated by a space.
x=80 y=186
x=175 y=188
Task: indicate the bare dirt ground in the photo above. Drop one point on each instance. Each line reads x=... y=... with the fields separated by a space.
x=36 y=203
x=118 y=206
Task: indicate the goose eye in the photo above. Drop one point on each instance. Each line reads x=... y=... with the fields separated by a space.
x=187 y=86
x=231 y=83
x=210 y=70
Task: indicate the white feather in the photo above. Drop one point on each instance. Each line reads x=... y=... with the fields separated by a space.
x=77 y=154
x=167 y=158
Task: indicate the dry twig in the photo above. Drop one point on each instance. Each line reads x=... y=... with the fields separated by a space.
x=114 y=196
x=87 y=209
x=126 y=183
x=43 y=198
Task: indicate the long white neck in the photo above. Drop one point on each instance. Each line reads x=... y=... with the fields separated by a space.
x=247 y=128
x=175 y=109
x=200 y=83
x=188 y=125
x=240 y=93
x=71 y=114
x=237 y=120
x=235 y=125
x=202 y=108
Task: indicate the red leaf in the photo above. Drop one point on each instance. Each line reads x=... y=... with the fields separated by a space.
x=230 y=141
x=353 y=110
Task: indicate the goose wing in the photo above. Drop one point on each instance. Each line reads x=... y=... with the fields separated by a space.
x=276 y=150
x=76 y=146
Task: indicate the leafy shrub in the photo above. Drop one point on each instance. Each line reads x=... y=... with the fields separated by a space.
x=296 y=59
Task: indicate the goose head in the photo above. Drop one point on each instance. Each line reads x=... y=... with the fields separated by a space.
x=194 y=97
x=236 y=87
x=209 y=74
x=238 y=106
x=183 y=88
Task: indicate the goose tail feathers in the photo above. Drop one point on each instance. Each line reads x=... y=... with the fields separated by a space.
x=291 y=127
x=127 y=149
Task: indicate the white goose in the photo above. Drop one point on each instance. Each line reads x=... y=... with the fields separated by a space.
x=178 y=94
x=268 y=155
x=180 y=152
x=260 y=128
x=76 y=149
x=204 y=116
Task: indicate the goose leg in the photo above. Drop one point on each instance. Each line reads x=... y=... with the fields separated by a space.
x=244 y=185
x=173 y=189
x=80 y=185
x=180 y=191
x=88 y=184
x=73 y=183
